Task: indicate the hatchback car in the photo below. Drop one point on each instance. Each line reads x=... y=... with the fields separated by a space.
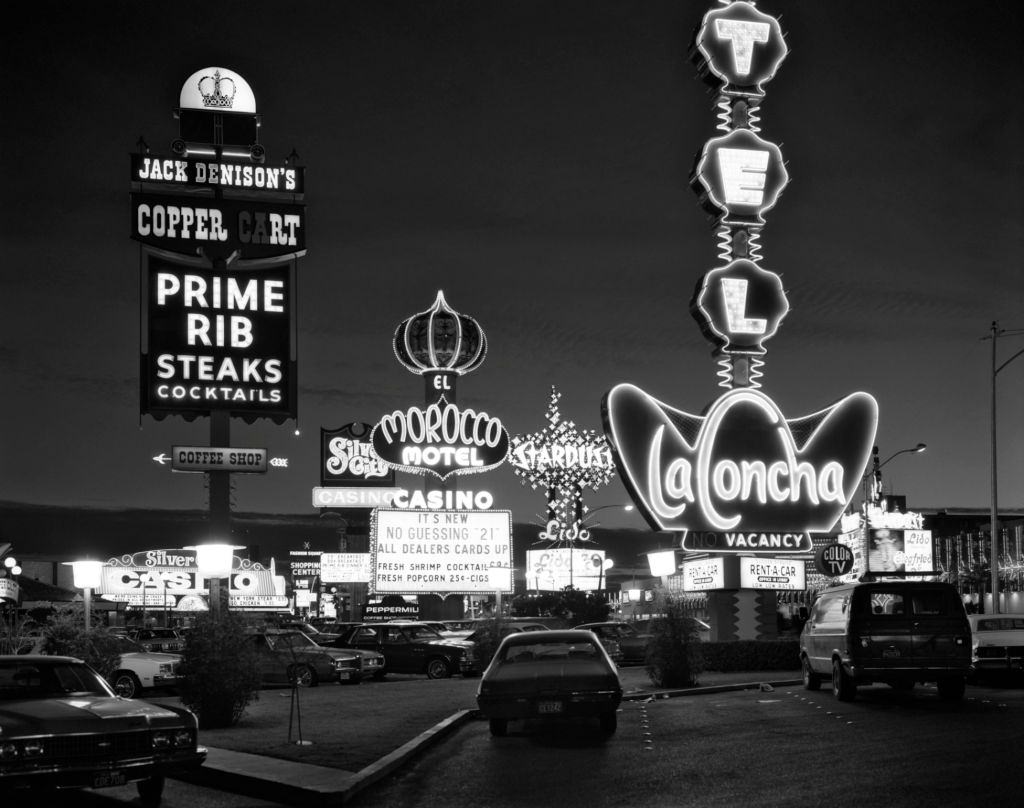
x=290 y=657
x=897 y=632
x=997 y=643
x=560 y=674
x=63 y=727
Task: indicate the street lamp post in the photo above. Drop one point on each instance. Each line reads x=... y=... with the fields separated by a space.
x=214 y=561
x=994 y=334
x=87 y=576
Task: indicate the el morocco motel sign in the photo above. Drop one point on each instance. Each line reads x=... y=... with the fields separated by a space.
x=750 y=480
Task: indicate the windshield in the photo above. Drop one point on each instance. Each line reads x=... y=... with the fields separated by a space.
x=421 y=633
x=551 y=651
x=19 y=680
x=126 y=646
x=293 y=639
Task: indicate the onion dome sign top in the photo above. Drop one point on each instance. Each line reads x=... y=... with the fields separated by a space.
x=440 y=339
x=740 y=477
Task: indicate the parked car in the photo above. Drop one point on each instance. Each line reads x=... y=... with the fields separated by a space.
x=898 y=632
x=373 y=661
x=997 y=643
x=558 y=674
x=284 y=657
x=64 y=727
x=158 y=639
x=137 y=669
x=506 y=629
x=631 y=644
x=413 y=648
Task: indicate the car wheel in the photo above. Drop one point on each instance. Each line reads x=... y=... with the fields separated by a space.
x=952 y=689
x=609 y=722
x=126 y=684
x=437 y=668
x=812 y=681
x=499 y=727
x=843 y=687
x=151 y=789
x=303 y=676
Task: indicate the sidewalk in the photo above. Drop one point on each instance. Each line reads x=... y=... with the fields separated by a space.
x=338 y=739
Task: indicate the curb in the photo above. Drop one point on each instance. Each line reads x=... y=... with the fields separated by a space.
x=278 y=780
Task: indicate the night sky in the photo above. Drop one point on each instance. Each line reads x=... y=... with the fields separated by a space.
x=532 y=160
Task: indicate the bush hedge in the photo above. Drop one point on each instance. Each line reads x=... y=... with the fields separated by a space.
x=752 y=655
x=219 y=670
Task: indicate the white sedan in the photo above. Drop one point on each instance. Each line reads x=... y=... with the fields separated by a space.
x=997 y=642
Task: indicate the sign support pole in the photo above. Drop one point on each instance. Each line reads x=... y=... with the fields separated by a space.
x=220 y=497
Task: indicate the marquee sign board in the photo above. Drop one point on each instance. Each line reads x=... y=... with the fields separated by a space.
x=741 y=477
x=441 y=439
x=344 y=568
x=435 y=552
x=342 y=497
x=244 y=176
x=743 y=572
x=347 y=458
x=194 y=225
x=218 y=341
x=163 y=578
x=704 y=574
x=555 y=568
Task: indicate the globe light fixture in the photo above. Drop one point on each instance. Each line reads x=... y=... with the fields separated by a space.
x=214 y=561
x=87 y=576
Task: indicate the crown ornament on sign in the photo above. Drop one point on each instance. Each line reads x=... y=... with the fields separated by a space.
x=213 y=95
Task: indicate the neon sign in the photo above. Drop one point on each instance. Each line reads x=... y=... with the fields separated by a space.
x=346 y=456
x=740 y=176
x=218 y=341
x=207 y=174
x=739 y=306
x=741 y=470
x=441 y=439
x=740 y=47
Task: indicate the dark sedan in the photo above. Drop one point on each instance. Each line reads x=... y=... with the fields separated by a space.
x=413 y=648
x=63 y=727
x=550 y=675
x=631 y=643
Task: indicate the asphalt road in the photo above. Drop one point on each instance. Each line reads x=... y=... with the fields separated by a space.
x=788 y=747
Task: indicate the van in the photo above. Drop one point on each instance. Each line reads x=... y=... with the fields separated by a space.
x=893 y=631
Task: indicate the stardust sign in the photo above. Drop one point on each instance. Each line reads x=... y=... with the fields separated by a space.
x=741 y=477
x=441 y=439
x=423 y=552
x=218 y=341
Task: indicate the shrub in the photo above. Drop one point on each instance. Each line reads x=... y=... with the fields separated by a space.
x=674 y=652
x=64 y=635
x=218 y=667
x=752 y=655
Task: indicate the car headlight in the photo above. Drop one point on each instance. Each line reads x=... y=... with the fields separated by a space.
x=161 y=739
x=182 y=737
x=34 y=748
x=166 y=669
x=8 y=751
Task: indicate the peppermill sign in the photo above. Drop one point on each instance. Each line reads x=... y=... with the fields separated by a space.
x=740 y=477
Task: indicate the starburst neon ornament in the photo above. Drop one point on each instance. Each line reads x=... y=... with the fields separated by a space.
x=564 y=460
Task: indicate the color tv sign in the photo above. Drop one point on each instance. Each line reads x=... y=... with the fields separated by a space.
x=741 y=477
x=218 y=341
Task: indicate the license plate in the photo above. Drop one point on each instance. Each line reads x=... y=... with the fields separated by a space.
x=549 y=707
x=890 y=653
x=108 y=779
x=344 y=675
